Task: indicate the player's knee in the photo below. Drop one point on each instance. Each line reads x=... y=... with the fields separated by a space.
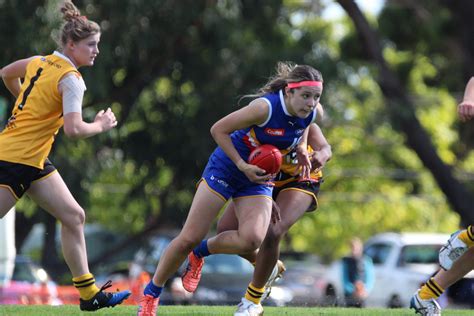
x=276 y=232
x=251 y=243
x=75 y=218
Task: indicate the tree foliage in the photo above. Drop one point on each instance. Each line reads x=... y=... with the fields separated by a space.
x=171 y=69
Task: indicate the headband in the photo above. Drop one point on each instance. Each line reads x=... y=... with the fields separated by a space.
x=292 y=85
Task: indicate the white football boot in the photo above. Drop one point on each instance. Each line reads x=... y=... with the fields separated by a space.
x=248 y=308
x=277 y=274
x=425 y=307
x=451 y=251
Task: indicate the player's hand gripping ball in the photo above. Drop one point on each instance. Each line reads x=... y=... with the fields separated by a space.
x=267 y=157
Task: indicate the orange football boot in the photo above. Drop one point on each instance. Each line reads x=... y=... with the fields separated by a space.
x=148 y=306
x=192 y=274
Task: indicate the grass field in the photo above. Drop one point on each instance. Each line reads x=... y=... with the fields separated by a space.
x=15 y=310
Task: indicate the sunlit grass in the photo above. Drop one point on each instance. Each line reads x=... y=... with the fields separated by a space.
x=67 y=310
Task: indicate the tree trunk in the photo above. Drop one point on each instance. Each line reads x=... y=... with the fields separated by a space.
x=402 y=115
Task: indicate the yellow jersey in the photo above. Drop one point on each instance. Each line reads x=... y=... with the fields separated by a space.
x=38 y=112
x=289 y=166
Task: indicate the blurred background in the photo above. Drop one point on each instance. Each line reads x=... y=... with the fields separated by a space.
x=394 y=73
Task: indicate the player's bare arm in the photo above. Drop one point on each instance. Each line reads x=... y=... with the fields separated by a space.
x=466 y=107
x=253 y=114
x=12 y=73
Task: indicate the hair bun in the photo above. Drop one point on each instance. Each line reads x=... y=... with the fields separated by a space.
x=69 y=11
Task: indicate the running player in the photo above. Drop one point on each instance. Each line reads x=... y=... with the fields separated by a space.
x=50 y=97
x=280 y=114
x=295 y=196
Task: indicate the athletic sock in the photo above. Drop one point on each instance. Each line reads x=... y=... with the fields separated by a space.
x=254 y=294
x=85 y=284
x=152 y=289
x=201 y=250
x=430 y=289
x=467 y=236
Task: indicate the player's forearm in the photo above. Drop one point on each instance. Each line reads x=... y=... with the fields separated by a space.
x=318 y=141
x=469 y=91
x=326 y=150
x=83 y=129
x=303 y=142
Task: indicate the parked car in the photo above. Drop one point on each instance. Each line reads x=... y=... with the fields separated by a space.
x=30 y=284
x=224 y=280
x=302 y=283
x=402 y=263
x=224 y=277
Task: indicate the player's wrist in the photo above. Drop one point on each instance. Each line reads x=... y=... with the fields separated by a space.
x=241 y=164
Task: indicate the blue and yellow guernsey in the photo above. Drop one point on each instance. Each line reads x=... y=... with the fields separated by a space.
x=289 y=170
x=37 y=115
x=281 y=130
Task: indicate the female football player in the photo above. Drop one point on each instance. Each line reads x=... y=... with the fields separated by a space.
x=294 y=196
x=456 y=258
x=50 y=97
x=279 y=116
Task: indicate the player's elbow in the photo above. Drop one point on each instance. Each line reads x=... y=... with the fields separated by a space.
x=72 y=131
x=214 y=130
x=5 y=73
x=73 y=125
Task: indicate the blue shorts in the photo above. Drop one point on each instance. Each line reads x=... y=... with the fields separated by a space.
x=223 y=177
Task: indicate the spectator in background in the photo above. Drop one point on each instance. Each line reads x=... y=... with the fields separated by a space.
x=357 y=275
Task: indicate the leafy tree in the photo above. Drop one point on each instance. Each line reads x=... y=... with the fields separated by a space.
x=171 y=69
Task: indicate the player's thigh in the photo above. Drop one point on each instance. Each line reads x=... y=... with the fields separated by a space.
x=293 y=205
x=7 y=201
x=228 y=220
x=253 y=214
x=53 y=195
x=204 y=209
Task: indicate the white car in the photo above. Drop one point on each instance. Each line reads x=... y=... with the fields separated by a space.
x=402 y=262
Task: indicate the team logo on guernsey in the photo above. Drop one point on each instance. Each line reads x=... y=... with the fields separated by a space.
x=275 y=131
x=220 y=181
x=51 y=63
x=299 y=131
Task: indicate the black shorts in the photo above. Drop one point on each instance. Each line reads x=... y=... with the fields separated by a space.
x=310 y=187
x=18 y=177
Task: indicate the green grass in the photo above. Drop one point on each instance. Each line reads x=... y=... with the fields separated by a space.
x=67 y=310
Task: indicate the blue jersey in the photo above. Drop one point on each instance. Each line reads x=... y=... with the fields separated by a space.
x=280 y=129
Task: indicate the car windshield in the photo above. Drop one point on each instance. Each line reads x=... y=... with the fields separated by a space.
x=227 y=264
x=378 y=252
x=419 y=254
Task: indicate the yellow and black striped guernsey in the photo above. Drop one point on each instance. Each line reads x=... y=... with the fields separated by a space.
x=37 y=115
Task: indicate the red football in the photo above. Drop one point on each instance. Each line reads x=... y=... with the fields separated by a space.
x=267 y=157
